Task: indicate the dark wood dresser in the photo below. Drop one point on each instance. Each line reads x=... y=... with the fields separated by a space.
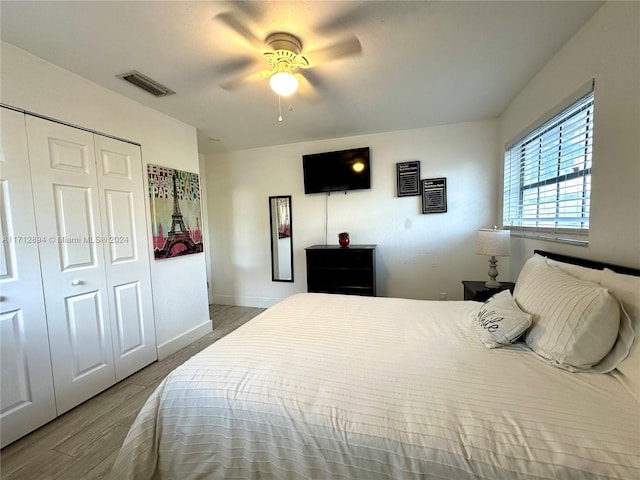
x=334 y=269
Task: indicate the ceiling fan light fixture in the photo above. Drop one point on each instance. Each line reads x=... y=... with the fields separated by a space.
x=283 y=83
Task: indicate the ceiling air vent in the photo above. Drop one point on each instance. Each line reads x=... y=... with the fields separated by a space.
x=146 y=84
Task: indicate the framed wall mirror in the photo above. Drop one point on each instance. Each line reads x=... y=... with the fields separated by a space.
x=281 y=232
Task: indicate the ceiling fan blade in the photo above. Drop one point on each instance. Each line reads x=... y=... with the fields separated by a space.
x=231 y=21
x=307 y=88
x=237 y=82
x=233 y=67
x=252 y=10
x=354 y=15
x=348 y=47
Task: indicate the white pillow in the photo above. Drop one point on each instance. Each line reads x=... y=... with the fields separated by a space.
x=578 y=271
x=526 y=270
x=501 y=321
x=575 y=322
x=627 y=289
x=628 y=371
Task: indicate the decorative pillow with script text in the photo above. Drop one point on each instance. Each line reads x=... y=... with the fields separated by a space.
x=501 y=321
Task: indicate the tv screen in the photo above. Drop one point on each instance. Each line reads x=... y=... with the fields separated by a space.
x=337 y=171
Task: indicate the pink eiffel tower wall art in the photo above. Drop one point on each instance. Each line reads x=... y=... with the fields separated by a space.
x=175 y=212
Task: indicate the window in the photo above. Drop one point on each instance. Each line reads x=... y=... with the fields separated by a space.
x=547 y=174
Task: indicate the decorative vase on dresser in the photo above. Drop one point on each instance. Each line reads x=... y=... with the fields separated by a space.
x=343 y=239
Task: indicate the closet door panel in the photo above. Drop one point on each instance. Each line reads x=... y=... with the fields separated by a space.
x=66 y=201
x=85 y=323
x=75 y=227
x=16 y=380
x=127 y=253
x=120 y=213
x=26 y=384
x=129 y=317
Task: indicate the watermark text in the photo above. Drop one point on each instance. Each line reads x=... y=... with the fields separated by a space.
x=82 y=239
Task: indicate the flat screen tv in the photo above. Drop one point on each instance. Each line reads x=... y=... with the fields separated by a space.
x=337 y=171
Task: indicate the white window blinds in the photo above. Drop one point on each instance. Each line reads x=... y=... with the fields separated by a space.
x=547 y=176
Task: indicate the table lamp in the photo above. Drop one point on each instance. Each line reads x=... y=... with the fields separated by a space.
x=496 y=243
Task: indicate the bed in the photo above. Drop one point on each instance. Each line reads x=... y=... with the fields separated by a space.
x=325 y=386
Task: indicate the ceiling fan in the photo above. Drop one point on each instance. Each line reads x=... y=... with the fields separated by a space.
x=283 y=53
x=284 y=60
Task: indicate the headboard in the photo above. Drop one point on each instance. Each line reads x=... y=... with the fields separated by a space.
x=588 y=263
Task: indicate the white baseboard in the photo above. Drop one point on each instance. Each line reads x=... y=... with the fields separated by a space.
x=260 y=302
x=181 y=341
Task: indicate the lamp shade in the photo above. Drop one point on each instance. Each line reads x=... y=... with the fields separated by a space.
x=493 y=242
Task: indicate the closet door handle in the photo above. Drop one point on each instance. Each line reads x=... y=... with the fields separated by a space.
x=75 y=283
x=2 y=298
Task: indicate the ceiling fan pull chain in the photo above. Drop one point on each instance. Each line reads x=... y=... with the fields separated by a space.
x=279 y=109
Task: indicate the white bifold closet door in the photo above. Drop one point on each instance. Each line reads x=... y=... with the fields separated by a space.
x=26 y=383
x=88 y=198
x=126 y=252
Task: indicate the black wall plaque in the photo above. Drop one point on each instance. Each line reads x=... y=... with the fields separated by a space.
x=434 y=195
x=408 y=181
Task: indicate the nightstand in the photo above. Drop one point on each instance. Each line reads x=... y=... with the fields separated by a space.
x=475 y=290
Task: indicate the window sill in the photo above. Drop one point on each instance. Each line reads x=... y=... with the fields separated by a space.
x=557 y=238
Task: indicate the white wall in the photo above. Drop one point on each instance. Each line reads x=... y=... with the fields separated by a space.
x=179 y=284
x=607 y=48
x=418 y=255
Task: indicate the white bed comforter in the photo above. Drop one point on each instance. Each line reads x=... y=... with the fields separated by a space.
x=329 y=387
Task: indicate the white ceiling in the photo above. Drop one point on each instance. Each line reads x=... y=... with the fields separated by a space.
x=423 y=63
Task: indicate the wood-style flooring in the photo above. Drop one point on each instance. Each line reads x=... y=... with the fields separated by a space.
x=83 y=443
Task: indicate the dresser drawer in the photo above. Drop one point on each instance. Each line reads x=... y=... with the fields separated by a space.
x=342 y=257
